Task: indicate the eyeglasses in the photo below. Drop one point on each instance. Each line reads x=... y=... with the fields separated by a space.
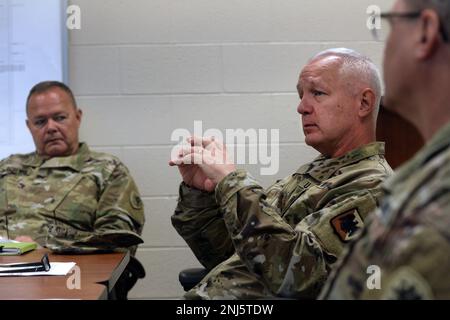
x=386 y=21
x=380 y=32
x=43 y=265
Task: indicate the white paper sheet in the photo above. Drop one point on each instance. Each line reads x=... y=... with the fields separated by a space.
x=57 y=269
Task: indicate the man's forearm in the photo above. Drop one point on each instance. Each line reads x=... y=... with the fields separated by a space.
x=199 y=222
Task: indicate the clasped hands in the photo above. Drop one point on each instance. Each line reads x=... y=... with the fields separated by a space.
x=203 y=163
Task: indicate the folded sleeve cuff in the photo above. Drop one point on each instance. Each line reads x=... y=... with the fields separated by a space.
x=233 y=183
x=194 y=198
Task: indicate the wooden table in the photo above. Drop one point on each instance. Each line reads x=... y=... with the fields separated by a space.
x=98 y=273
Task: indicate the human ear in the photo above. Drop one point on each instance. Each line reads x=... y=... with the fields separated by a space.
x=79 y=114
x=366 y=103
x=429 y=34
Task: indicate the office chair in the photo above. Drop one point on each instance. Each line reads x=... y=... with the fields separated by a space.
x=189 y=278
x=133 y=271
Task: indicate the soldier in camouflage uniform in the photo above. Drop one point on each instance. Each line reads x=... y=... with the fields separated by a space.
x=64 y=196
x=404 y=253
x=283 y=241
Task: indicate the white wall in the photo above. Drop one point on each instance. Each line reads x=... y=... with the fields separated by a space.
x=142 y=68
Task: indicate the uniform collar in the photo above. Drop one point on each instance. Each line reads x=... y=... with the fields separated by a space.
x=74 y=162
x=322 y=168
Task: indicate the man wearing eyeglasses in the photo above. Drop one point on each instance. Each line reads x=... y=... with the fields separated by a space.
x=65 y=196
x=405 y=251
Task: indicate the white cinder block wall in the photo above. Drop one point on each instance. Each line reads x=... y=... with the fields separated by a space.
x=142 y=68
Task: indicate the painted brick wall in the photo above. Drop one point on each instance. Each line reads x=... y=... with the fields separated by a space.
x=143 y=68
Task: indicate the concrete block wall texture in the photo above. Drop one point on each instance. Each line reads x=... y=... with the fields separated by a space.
x=142 y=68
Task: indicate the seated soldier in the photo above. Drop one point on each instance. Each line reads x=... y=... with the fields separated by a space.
x=282 y=242
x=64 y=196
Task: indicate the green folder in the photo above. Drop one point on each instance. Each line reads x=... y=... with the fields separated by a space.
x=16 y=248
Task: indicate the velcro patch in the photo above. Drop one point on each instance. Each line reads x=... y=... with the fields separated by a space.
x=347 y=224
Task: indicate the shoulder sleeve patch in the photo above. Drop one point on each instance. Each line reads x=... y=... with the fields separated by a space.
x=135 y=200
x=347 y=224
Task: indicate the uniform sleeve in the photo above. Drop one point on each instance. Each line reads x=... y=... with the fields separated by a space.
x=119 y=219
x=409 y=261
x=421 y=271
x=292 y=262
x=198 y=220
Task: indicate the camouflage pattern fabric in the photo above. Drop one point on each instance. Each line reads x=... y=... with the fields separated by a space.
x=80 y=203
x=281 y=241
x=408 y=239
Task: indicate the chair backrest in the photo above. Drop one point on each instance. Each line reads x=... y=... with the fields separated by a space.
x=133 y=271
x=402 y=139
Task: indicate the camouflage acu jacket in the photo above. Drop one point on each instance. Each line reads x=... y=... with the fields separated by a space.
x=83 y=202
x=405 y=251
x=281 y=241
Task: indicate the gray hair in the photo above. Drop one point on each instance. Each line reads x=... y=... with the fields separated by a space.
x=442 y=8
x=358 y=65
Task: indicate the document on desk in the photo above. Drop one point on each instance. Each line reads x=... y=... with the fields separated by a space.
x=57 y=269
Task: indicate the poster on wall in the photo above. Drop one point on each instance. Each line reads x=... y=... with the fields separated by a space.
x=33 y=48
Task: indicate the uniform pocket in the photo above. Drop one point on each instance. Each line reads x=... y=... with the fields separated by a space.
x=77 y=206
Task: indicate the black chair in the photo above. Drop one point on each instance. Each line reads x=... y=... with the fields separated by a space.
x=189 y=278
x=132 y=273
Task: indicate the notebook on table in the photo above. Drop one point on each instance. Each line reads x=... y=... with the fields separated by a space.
x=12 y=248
